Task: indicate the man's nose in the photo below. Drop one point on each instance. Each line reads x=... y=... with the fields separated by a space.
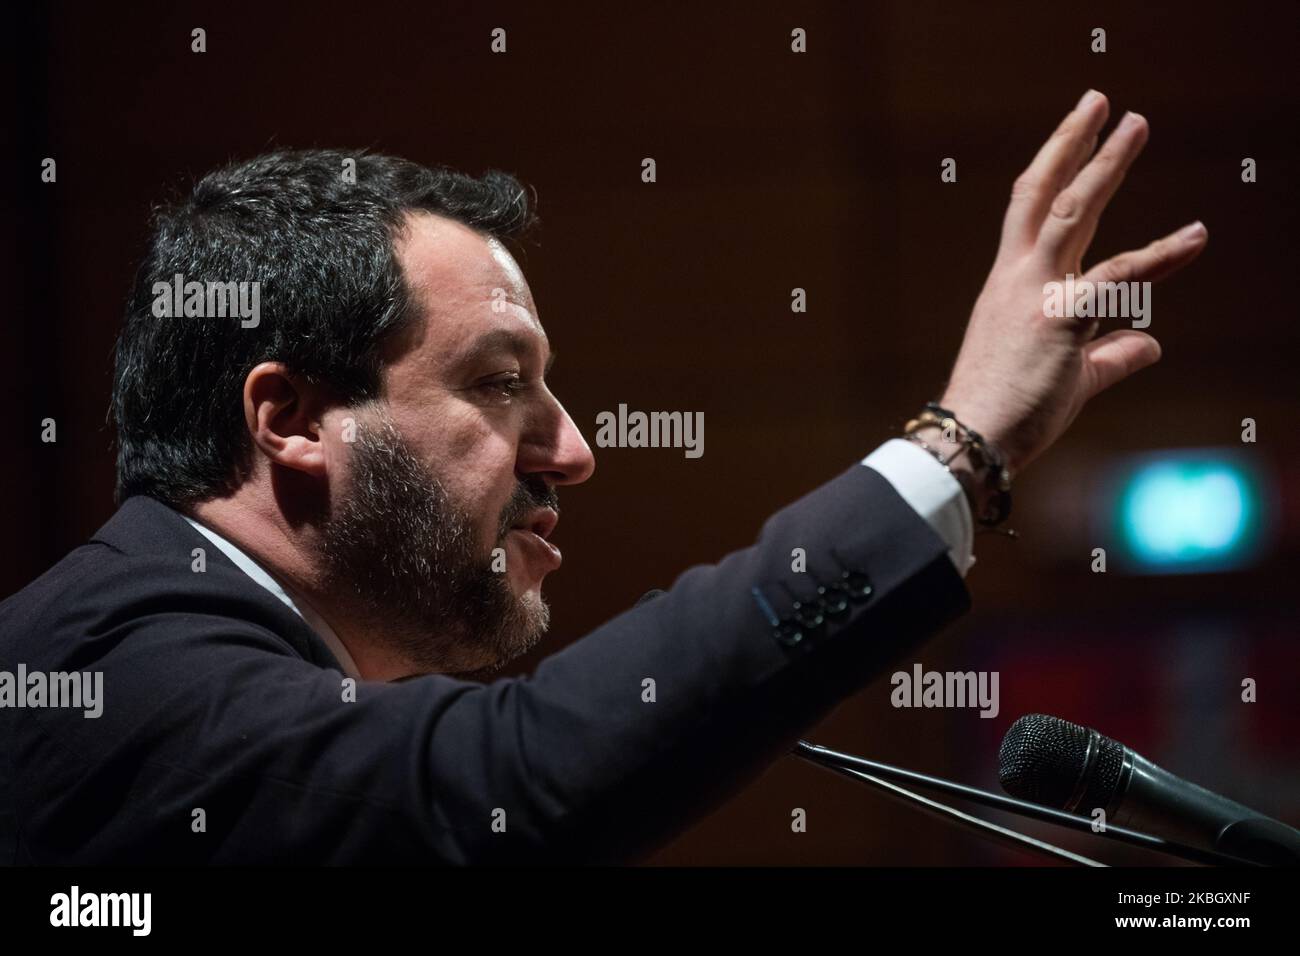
x=559 y=452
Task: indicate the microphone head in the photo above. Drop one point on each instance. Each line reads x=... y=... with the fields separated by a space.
x=1056 y=763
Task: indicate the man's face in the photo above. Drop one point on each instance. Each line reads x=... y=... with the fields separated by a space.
x=459 y=459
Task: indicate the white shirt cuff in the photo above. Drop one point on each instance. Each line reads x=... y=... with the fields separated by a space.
x=932 y=492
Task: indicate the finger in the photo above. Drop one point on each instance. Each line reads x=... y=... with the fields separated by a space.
x=1117 y=355
x=1084 y=155
x=1075 y=211
x=1052 y=168
x=1155 y=261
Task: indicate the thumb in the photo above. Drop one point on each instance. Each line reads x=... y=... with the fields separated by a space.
x=1117 y=355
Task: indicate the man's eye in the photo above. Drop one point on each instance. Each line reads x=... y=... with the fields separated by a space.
x=504 y=387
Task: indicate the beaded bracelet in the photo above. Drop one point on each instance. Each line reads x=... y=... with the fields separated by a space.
x=984 y=456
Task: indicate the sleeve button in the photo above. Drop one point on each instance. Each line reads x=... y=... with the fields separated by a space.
x=809 y=615
x=834 y=599
x=788 y=633
x=857 y=584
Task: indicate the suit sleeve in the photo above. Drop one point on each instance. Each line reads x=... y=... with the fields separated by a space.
x=579 y=762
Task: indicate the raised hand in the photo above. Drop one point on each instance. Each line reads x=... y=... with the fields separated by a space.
x=1021 y=376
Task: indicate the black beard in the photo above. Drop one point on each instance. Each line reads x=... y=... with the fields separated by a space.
x=406 y=556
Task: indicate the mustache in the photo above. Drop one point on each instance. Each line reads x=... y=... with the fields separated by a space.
x=530 y=494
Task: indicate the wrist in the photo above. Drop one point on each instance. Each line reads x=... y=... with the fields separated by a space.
x=955 y=457
x=988 y=480
x=986 y=424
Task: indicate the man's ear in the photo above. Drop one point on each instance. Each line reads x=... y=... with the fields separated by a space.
x=283 y=414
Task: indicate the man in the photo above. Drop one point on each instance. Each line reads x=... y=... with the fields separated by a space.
x=333 y=528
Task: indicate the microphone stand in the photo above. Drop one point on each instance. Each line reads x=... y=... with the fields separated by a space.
x=1005 y=835
x=887 y=777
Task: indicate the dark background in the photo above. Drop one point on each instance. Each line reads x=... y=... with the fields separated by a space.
x=775 y=170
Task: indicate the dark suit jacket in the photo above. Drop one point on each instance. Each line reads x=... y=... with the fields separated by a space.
x=218 y=697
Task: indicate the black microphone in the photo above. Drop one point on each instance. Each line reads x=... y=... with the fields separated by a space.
x=1053 y=762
